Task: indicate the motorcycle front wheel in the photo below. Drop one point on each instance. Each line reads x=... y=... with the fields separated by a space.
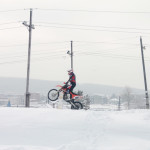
x=53 y=94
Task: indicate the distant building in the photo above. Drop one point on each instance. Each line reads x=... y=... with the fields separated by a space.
x=35 y=99
x=4 y=101
x=14 y=100
x=35 y=96
x=99 y=99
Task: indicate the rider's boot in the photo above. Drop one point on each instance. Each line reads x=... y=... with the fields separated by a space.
x=70 y=96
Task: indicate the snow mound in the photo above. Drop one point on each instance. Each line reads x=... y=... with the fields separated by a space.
x=63 y=129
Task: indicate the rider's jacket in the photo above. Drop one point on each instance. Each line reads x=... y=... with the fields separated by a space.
x=72 y=78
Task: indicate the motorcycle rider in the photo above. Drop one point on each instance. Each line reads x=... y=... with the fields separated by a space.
x=72 y=80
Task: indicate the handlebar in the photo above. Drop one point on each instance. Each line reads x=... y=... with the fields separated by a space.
x=66 y=83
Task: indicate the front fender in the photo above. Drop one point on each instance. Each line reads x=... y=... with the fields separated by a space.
x=59 y=86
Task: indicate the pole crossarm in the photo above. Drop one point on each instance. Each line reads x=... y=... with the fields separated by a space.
x=27 y=25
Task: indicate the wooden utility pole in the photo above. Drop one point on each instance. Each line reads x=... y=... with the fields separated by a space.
x=30 y=27
x=144 y=73
x=72 y=55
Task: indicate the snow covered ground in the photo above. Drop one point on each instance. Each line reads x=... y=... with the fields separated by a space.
x=65 y=129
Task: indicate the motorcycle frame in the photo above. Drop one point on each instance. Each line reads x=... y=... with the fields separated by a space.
x=65 y=89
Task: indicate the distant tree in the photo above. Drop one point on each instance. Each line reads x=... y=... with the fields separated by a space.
x=126 y=96
x=113 y=96
x=139 y=101
x=80 y=93
x=86 y=102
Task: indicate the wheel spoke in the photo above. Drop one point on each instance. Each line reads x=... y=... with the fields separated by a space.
x=53 y=95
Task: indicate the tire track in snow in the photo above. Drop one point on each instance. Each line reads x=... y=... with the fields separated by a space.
x=93 y=133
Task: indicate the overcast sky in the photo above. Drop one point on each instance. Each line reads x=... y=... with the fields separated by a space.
x=105 y=34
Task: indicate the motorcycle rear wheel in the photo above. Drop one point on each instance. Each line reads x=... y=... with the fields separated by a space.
x=77 y=106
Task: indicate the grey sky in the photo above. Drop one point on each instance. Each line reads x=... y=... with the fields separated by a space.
x=105 y=34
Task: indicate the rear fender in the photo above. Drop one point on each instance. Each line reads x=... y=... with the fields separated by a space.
x=75 y=96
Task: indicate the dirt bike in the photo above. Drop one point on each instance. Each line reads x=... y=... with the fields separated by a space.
x=70 y=97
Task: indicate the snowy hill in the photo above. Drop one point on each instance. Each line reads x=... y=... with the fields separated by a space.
x=64 y=129
x=18 y=85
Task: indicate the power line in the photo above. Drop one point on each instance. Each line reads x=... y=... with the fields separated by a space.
x=9 y=23
x=79 y=10
x=81 y=54
x=34 y=59
x=55 y=56
x=11 y=28
x=96 y=11
x=92 y=26
x=91 y=29
x=112 y=56
x=34 y=44
x=99 y=53
x=97 y=42
x=55 y=53
x=77 y=42
x=14 y=10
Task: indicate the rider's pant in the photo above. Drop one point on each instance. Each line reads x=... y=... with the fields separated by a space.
x=73 y=84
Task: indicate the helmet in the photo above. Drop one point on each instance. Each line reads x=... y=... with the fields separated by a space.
x=70 y=71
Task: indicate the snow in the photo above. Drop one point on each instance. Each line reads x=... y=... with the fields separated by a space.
x=65 y=129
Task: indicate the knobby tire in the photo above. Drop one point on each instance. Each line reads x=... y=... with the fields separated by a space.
x=53 y=95
x=78 y=106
